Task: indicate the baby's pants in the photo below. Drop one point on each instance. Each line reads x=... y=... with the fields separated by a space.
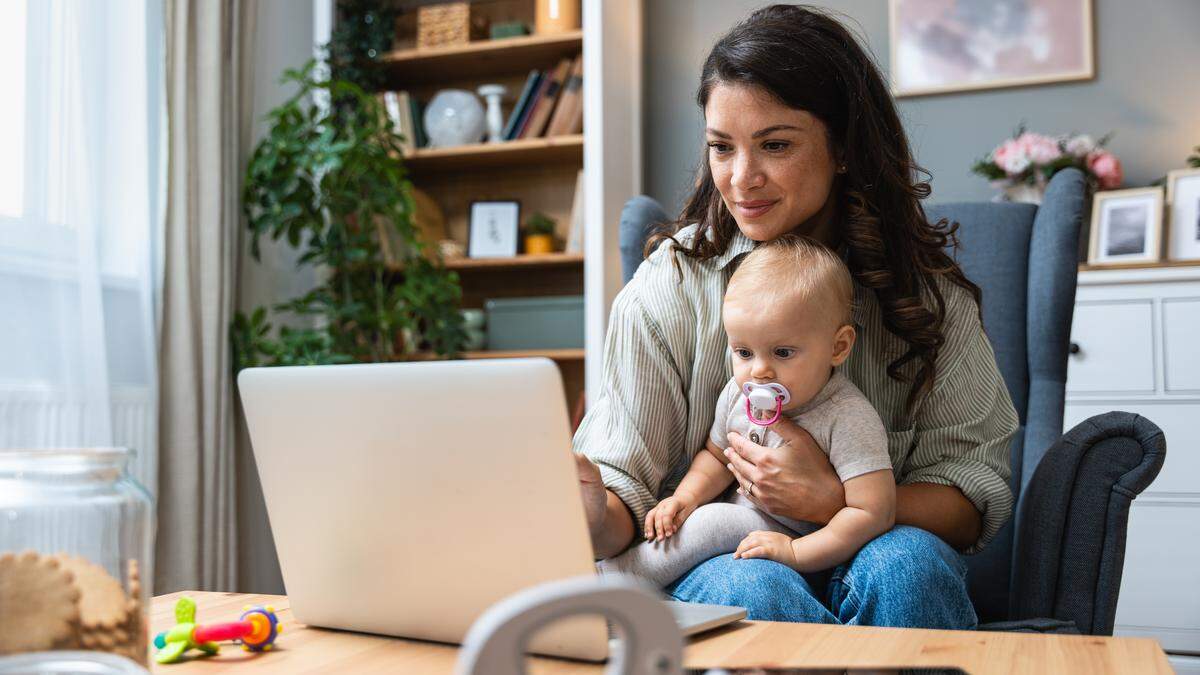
x=711 y=530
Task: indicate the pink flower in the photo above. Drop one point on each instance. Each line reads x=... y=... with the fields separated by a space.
x=1010 y=156
x=1040 y=149
x=1107 y=169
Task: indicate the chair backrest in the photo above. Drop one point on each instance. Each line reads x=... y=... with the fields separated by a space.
x=1024 y=259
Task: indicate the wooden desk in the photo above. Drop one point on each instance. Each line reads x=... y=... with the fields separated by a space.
x=746 y=644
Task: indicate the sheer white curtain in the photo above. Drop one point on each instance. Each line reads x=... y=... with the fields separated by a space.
x=80 y=201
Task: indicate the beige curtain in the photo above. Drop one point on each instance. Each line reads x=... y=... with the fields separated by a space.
x=208 y=134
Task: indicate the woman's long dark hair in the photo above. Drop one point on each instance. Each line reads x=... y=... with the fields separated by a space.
x=809 y=61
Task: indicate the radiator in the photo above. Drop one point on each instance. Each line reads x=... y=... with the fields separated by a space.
x=33 y=417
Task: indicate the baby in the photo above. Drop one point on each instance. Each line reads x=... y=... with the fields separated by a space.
x=787 y=314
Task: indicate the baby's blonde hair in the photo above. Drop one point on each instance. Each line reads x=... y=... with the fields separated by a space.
x=797 y=267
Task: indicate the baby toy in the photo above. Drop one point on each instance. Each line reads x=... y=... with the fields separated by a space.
x=256 y=630
x=765 y=397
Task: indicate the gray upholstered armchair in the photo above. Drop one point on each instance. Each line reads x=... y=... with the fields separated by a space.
x=1057 y=566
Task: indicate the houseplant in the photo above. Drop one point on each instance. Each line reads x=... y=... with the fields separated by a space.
x=1022 y=165
x=539 y=234
x=329 y=179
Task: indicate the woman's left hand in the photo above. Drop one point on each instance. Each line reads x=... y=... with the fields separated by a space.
x=794 y=480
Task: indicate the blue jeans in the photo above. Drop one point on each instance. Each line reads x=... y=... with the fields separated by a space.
x=906 y=577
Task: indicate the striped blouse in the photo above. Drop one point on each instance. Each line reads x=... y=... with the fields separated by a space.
x=666 y=360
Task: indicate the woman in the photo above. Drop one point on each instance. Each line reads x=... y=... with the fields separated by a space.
x=802 y=136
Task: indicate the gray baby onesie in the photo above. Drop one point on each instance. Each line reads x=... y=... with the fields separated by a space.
x=842 y=422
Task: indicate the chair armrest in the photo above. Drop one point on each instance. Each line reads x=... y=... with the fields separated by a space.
x=1070 y=539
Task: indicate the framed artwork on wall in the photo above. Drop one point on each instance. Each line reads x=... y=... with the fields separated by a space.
x=942 y=46
x=493 y=229
x=1183 y=209
x=1126 y=226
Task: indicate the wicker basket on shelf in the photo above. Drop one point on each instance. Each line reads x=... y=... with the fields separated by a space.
x=447 y=24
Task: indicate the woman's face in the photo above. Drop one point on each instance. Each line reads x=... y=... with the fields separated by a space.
x=771 y=164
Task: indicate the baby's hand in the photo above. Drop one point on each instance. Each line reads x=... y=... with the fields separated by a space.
x=665 y=518
x=771 y=545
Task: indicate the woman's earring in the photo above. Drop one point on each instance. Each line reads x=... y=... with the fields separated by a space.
x=841 y=169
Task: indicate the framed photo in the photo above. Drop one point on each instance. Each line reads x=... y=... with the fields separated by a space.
x=493 y=229
x=1183 y=207
x=940 y=46
x=1126 y=226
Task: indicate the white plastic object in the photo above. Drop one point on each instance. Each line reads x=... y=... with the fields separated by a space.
x=492 y=93
x=765 y=396
x=649 y=639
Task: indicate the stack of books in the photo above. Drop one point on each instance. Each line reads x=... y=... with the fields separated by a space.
x=404 y=111
x=551 y=103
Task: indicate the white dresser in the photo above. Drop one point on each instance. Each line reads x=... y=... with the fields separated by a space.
x=1136 y=347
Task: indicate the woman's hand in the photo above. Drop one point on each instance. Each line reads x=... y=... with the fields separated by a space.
x=665 y=518
x=794 y=480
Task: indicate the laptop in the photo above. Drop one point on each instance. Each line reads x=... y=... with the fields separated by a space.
x=407 y=498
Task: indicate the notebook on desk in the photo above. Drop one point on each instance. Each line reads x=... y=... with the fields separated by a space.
x=405 y=499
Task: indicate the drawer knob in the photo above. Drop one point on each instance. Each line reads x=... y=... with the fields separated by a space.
x=1073 y=348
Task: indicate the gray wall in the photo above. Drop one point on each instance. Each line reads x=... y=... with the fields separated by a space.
x=1146 y=89
x=282 y=39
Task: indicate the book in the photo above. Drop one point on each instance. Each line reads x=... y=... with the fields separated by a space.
x=571 y=97
x=531 y=105
x=575 y=232
x=420 y=140
x=391 y=106
x=576 y=122
x=395 y=103
x=519 y=110
x=544 y=106
x=407 y=127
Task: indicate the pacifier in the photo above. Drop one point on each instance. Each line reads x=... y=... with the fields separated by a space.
x=771 y=395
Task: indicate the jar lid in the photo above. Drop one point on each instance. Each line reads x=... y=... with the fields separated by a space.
x=69 y=663
x=92 y=463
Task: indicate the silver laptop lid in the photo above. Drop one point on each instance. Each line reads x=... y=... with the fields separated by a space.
x=407 y=498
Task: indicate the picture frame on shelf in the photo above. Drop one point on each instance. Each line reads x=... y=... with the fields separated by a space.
x=493 y=229
x=1183 y=214
x=1126 y=227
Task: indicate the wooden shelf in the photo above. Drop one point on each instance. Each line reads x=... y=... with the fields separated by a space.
x=1083 y=267
x=519 y=262
x=480 y=59
x=531 y=152
x=552 y=354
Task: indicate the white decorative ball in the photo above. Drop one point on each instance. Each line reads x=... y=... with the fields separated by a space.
x=454 y=117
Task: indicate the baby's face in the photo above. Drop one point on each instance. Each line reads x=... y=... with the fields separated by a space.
x=792 y=345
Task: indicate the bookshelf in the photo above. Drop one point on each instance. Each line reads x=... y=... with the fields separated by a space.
x=533 y=152
x=539 y=172
x=483 y=58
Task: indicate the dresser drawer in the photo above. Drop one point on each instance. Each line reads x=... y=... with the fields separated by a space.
x=1116 y=348
x=1181 y=471
x=1160 y=587
x=1181 y=335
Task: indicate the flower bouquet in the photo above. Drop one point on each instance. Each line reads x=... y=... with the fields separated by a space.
x=1023 y=164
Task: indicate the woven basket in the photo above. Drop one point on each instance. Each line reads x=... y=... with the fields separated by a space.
x=446 y=24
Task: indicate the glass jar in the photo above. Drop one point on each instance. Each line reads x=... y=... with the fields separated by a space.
x=76 y=546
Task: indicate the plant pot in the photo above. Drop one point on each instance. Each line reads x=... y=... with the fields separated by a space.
x=539 y=244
